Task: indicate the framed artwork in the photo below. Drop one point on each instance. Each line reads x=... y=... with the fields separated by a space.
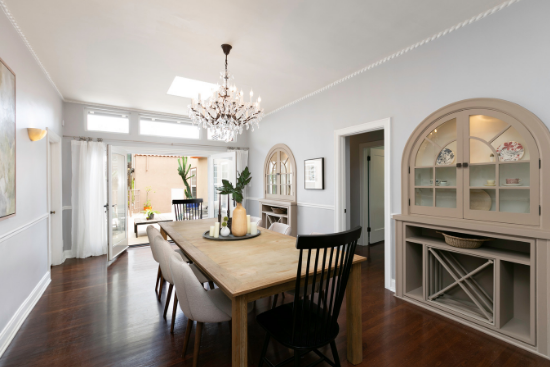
x=7 y=141
x=314 y=174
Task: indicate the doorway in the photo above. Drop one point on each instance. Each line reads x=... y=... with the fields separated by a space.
x=371 y=157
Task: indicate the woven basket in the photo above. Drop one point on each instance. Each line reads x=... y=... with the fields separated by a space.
x=464 y=241
x=278 y=210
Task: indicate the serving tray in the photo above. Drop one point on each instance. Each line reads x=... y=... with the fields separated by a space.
x=230 y=237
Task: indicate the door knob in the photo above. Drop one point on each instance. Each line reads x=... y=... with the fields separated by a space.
x=52 y=212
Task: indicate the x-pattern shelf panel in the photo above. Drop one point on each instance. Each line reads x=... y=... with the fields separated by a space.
x=454 y=284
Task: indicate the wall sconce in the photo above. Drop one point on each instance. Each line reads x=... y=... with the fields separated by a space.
x=36 y=134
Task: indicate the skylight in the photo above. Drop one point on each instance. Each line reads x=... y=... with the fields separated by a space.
x=190 y=88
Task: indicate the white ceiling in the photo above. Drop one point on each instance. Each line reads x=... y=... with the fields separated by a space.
x=127 y=52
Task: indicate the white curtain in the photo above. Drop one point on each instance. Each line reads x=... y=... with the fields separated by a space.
x=242 y=163
x=89 y=221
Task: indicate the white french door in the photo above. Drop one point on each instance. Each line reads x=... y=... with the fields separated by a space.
x=117 y=201
x=221 y=166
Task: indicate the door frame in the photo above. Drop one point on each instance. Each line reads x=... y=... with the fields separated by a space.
x=55 y=190
x=211 y=158
x=111 y=257
x=340 y=187
x=372 y=144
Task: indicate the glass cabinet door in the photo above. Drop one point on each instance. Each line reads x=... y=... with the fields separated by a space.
x=501 y=169
x=436 y=181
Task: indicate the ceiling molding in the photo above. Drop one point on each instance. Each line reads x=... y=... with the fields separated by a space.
x=403 y=51
x=26 y=42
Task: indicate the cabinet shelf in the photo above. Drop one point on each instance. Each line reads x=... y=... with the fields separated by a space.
x=500 y=187
x=271 y=214
x=417 y=293
x=506 y=255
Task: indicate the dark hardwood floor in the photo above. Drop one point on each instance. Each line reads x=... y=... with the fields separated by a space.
x=92 y=315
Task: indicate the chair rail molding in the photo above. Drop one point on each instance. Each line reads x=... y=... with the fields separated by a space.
x=25 y=226
x=11 y=329
x=307 y=205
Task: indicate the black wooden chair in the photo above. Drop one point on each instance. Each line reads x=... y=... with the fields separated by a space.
x=187 y=209
x=310 y=321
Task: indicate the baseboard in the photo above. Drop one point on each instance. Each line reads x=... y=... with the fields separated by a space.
x=9 y=332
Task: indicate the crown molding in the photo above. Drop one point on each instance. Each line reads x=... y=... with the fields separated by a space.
x=26 y=42
x=399 y=53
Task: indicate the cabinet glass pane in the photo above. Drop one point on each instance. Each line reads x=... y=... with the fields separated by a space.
x=286 y=166
x=286 y=190
x=514 y=201
x=514 y=174
x=424 y=197
x=426 y=154
x=447 y=156
x=271 y=184
x=423 y=177
x=484 y=200
x=273 y=163
x=511 y=135
x=444 y=133
x=445 y=176
x=445 y=198
x=486 y=127
x=483 y=175
x=480 y=152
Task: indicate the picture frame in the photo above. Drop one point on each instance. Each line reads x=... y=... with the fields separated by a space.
x=7 y=141
x=314 y=174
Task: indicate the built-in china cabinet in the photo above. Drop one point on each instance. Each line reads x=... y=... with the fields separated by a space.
x=477 y=168
x=279 y=202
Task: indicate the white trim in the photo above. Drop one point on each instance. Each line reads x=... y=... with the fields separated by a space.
x=54 y=183
x=20 y=229
x=340 y=185
x=26 y=42
x=392 y=286
x=317 y=206
x=403 y=51
x=68 y=208
x=9 y=332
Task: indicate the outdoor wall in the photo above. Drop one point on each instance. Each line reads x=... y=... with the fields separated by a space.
x=504 y=55
x=24 y=267
x=161 y=173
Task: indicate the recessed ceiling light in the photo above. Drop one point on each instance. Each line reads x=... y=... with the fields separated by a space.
x=190 y=88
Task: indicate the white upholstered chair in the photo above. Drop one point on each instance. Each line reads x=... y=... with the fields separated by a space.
x=256 y=220
x=196 y=303
x=280 y=227
x=165 y=252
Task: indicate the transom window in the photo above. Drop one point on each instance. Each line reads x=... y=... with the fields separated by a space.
x=111 y=122
x=169 y=128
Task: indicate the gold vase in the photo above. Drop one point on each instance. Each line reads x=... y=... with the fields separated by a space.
x=239 y=226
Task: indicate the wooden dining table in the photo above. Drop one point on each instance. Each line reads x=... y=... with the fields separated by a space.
x=247 y=270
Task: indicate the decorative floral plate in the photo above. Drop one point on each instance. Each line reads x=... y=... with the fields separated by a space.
x=510 y=151
x=446 y=157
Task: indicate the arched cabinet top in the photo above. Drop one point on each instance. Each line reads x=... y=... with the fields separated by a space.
x=280 y=174
x=478 y=159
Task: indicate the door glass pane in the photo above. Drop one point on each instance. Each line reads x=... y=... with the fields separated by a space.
x=445 y=176
x=444 y=133
x=484 y=200
x=424 y=197
x=423 y=176
x=514 y=201
x=118 y=190
x=483 y=175
x=223 y=170
x=426 y=154
x=486 y=127
x=447 y=155
x=480 y=152
x=508 y=150
x=445 y=198
x=514 y=174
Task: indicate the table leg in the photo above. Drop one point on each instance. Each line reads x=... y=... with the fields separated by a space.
x=353 y=316
x=164 y=235
x=135 y=229
x=239 y=340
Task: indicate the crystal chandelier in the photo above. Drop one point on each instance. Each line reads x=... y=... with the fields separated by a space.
x=225 y=113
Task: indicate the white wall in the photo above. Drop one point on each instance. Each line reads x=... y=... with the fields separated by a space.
x=23 y=238
x=505 y=55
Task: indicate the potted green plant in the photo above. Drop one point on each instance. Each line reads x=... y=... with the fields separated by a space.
x=183 y=171
x=150 y=213
x=147 y=204
x=225 y=229
x=239 y=226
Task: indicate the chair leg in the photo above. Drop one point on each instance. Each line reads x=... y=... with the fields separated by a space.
x=187 y=336
x=198 y=333
x=264 y=350
x=335 y=353
x=296 y=358
x=168 y=296
x=211 y=284
x=161 y=287
x=274 y=301
x=158 y=279
x=174 y=312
